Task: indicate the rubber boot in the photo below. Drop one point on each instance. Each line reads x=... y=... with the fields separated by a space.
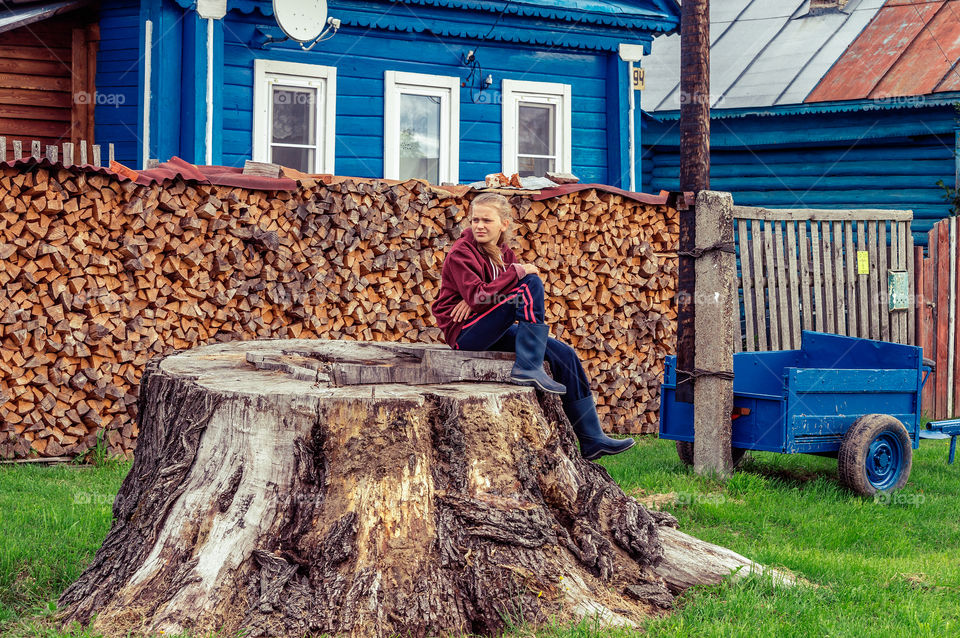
x=528 y=370
x=586 y=423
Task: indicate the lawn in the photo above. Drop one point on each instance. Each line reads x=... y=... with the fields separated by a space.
x=877 y=567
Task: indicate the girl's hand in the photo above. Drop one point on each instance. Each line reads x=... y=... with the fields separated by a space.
x=531 y=269
x=460 y=312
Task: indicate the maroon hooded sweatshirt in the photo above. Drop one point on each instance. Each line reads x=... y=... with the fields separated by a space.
x=468 y=275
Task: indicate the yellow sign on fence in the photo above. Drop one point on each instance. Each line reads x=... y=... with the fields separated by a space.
x=863 y=262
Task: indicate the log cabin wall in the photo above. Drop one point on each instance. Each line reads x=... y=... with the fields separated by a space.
x=100 y=275
x=47 y=80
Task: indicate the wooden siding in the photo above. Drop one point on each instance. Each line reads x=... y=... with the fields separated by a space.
x=118 y=79
x=860 y=168
x=41 y=98
x=361 y=59
x=938 y=306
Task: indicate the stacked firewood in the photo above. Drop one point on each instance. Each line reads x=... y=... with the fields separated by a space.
x=99 y=275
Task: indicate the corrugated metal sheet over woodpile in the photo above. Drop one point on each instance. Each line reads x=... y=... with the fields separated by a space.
x=911 y=47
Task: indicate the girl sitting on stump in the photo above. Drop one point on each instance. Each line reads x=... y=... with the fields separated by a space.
x=490 y=301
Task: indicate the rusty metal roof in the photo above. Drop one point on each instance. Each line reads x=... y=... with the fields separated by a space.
x=910 y=48
x=778 y=53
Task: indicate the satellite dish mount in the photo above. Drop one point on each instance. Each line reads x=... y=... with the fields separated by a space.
x=304 y=21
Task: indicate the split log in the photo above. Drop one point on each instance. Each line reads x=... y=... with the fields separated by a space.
x=277 y=493
x=100 y=274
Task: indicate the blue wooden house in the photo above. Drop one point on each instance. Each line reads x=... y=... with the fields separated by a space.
x=447 y=90
x=820 y=104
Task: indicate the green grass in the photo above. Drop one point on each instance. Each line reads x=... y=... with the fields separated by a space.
x=875 y=569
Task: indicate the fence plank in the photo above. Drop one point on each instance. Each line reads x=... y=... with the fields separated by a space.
x=794 y=290
x=83 y=151
x=746 y=279
x=818 y=308
x=829 y=292
x=851 y=276
x=921 y=327
x=863 y=296
x=759 y=316
x=35 y=150
x=873 y=281
x=804 y=240
x=894 y=265
x=771 y=286
x=841 y=298
x=955 y=259
x=886 y=331
x=767 y=214
x=17 y=149
x=912 y=288
x=930 y=319
x=783 y=303
x=3 y=148
x=67 y=154
x=943 y=314
x=952 y=325
x=96 y=155
x=902 y=265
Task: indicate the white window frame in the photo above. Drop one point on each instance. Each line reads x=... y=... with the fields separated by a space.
x=447 y=88
x=267 y=73
x=516 y=91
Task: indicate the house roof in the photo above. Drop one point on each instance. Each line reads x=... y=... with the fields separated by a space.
x=762 y=53
x=17 y=14
x=909 y=48
x=584 y=24
x=607 y=12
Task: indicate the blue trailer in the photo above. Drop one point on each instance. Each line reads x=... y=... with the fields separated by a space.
x=857 y=400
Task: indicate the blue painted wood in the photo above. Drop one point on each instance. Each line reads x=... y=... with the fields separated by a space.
x=117 y=110
x=853 y=170
x=361 y=58
x=193 y=88
x=166 y=82
x=805 y=400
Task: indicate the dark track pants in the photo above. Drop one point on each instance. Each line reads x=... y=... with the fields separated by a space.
x=495 y=329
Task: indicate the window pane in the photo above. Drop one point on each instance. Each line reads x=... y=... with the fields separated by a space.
x=300 y=159
x=536 y=129
x=535 y=166
x=420 y=137
x=294 y=115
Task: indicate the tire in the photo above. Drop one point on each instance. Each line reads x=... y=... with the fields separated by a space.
x=876 y=455
x=685 y=452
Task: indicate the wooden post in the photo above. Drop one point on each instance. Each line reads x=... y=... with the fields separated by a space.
x=717 y=309
x=694 y=166
x=695 y=95
x=686 y=308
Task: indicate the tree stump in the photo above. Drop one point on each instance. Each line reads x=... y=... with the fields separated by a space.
x=286 y=488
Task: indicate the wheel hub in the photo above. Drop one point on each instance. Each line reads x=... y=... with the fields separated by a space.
x=883 y=460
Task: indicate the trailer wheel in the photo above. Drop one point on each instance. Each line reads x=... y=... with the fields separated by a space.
x=685 y=452
x=876 y=455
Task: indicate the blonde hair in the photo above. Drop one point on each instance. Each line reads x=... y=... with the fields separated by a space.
x=500 y=204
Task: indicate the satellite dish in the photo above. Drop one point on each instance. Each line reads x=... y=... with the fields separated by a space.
x=301 y=20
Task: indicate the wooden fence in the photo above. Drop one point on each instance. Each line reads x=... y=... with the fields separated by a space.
x=939 y=305
x=823 y=270
x=69 y=155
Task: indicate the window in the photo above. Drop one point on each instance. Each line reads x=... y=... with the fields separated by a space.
x=294 y=112
x=421 y=127
x=536 y=128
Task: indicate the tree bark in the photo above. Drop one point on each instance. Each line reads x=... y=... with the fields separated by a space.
x=286 y=488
